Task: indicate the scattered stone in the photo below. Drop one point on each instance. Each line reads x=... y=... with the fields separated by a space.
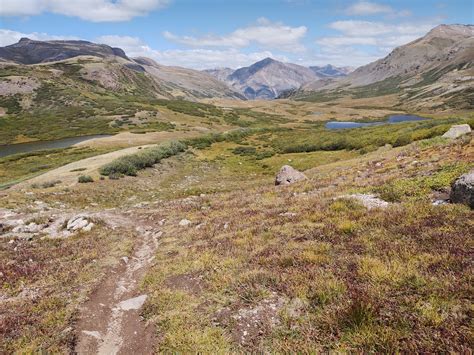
x=92 y=333
x=79 y=222
x=200 y=225
x=457 y=131
x=88 y=227
x=288 y=214
x=288 y=175
x=462 y=190
x=67 y=330
x=6 y=213
x=76 y=222
x=133 y=303
x=184 y=223
x=368 y=201
x=30 y=228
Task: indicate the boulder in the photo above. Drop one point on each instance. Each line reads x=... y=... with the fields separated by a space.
x=462 y=190
x=288 y=175
x=457 y=131
x=369 y=201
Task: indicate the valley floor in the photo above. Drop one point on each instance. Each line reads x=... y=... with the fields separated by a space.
x=203 y=253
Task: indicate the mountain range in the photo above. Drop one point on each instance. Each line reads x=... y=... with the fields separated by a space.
x=111 y=69
x=269 y=78
x=435 y=71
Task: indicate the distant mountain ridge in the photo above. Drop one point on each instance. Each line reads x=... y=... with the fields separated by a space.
x=269 y=78
x=112 y=69
x=28 y=51
x=433 y=71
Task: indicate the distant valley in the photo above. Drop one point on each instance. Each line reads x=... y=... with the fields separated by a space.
x=49 y=87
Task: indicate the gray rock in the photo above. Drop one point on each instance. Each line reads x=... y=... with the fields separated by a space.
x=184 y=223
x=79 y=222
x=457 y=131
x=30 y=228
x=368 y=201
x=462 y=190
x=133 y=303
x=76 y=223
x=88 y=228
x=288 y=175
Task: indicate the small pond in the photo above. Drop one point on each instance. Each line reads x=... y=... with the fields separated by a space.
x=29 y=147
x=391 y=120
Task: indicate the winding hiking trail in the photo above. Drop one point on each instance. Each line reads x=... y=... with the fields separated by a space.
x=109 y=322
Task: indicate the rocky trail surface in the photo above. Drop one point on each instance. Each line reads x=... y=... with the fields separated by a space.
x=110 y=321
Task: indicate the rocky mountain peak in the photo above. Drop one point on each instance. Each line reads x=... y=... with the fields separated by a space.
x=447 y=31
x=24 y=40
x=265 y=62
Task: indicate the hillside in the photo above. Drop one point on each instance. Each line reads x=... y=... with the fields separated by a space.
x=74 y=88
x=172 y=236
x=107 y=67
x=434 y=72
x=203 y=253
x=187 y=83
x=28 y=51
x=269 y=78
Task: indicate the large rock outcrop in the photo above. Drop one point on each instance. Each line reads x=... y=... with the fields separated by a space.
x=457 y=131
x=288 y=175
x=462 y=190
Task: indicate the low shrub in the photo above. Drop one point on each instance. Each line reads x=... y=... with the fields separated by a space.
x=244 y=151
x=130 y=164
x=85 y=179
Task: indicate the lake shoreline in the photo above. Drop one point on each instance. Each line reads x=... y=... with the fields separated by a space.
x=34 y=146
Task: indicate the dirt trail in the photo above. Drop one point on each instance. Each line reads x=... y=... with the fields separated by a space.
x=110 y=322
x=68 y=173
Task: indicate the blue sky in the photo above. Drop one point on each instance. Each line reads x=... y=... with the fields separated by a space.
x=231 y=33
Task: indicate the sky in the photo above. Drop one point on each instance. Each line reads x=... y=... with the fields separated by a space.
x=235 y=33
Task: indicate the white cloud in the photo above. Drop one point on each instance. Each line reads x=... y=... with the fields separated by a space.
x=368 y=8
x=90 y=10
x=373 y=33
x=360 y=28
x=8 y=37
x=264 y=33
x=346 y=41
x=381 y=38
x=197 y=58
